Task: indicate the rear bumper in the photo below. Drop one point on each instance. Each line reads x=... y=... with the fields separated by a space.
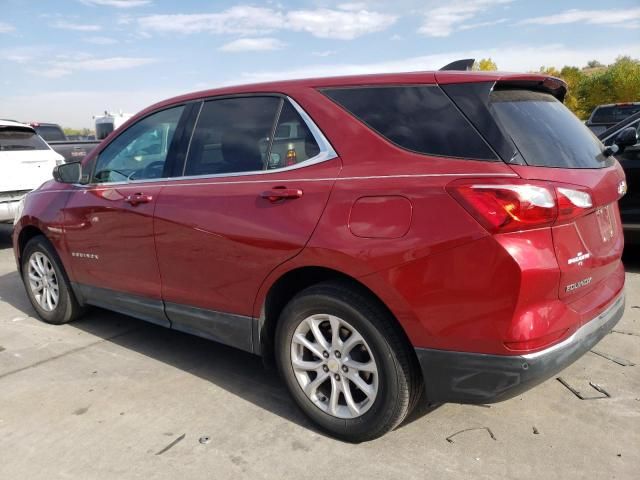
x=463 y=377
x=8 y=210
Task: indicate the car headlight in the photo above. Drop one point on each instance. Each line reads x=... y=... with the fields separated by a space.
x=19 y=210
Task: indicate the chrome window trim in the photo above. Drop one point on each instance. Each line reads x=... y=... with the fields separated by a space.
x=326 y=153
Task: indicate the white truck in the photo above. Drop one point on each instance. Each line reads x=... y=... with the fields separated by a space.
x=26 y=161
x=108 y=122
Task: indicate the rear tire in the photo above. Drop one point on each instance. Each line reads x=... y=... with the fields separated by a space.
x=368 y=357
x=46 y=282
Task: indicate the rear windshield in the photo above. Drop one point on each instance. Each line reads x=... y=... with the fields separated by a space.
x=103 y=130
x=613 y=113
x=418 y=118
x=20 y=139
x=545 y=132
x=51 y=133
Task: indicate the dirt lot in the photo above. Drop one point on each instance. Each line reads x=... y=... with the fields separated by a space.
x=113 y=397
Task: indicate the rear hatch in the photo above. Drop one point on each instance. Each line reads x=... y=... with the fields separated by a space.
x=544 y=142
x=25 y=159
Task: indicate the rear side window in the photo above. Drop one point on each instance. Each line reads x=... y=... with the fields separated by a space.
x=545 y=132
x=614 y=113
x=293 y=142
x=20 y=139
x=418 y=118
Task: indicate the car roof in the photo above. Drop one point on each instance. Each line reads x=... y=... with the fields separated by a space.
x=428 y=77
x=12 y=123
x=619 y=104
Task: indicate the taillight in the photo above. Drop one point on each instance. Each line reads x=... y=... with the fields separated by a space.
x=572 y=203
x=519 y=205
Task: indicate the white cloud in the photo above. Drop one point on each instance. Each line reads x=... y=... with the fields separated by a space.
x=6 y=27
x=442 y=21
x=117 y=3
x=471 y=26
x=342 y=25
x=324 y=53
x=242 y=20
x=352 y=6
x=79 y=27
x=247 y=20
x=252 y=45
x=76 y=108
x=101 y=40
x=621 y=18
x=518 y=58
x=65 y=65
x=17 y=58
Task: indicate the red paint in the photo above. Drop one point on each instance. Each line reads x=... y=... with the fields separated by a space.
x=221 y=243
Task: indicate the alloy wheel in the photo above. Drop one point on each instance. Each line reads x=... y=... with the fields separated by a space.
x=43 y=282
x=334 y=366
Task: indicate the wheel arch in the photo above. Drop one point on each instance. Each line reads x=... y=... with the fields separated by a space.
x=294 y=281
x=26 y=233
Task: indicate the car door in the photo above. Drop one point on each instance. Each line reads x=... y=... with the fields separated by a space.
x=248 y=201
x=109 y=223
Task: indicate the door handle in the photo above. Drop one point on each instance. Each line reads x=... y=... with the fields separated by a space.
x=281 y=193
x=138 y=198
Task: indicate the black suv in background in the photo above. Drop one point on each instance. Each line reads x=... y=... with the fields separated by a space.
x=604 y=117
x=629 y=158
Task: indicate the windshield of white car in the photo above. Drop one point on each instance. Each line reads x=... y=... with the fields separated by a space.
x=20 y=139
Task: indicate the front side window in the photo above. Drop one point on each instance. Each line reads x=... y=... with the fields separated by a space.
x=20 y=139
x=140 y=152
x=234 y=135
x=419 y=118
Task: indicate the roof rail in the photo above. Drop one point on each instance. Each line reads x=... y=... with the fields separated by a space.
x=465 y=64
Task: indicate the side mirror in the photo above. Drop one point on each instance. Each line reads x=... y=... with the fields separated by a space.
x=626 y=138
x=68 y=173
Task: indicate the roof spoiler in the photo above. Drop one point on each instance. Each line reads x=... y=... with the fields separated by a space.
x=465 y=64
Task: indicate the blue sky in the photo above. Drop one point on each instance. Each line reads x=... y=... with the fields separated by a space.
x=64 y=61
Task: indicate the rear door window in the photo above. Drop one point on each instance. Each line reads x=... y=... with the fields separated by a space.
x=20 y=139
x=417 y=118
x=545 y=132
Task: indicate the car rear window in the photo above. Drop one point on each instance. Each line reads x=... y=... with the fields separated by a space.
x=418 y=118
x=545 y=132
x=20 y=139
x=613 y=113
x=50 y=133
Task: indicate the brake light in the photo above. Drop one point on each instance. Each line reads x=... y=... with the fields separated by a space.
x=519 y=205
x=572 y=203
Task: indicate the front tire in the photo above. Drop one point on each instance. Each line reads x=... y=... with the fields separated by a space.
x=47 y=284
x=344 y=362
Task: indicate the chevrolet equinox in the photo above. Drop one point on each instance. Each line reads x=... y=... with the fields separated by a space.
x=452 y=236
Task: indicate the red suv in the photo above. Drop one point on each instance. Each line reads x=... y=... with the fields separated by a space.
x=449 y=233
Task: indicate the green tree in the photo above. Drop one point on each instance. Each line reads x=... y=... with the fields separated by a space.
x=484 y=64
x=619 y=82
x=572 y=76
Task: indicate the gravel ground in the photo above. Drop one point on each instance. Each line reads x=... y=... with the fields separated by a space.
x=113 y=397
